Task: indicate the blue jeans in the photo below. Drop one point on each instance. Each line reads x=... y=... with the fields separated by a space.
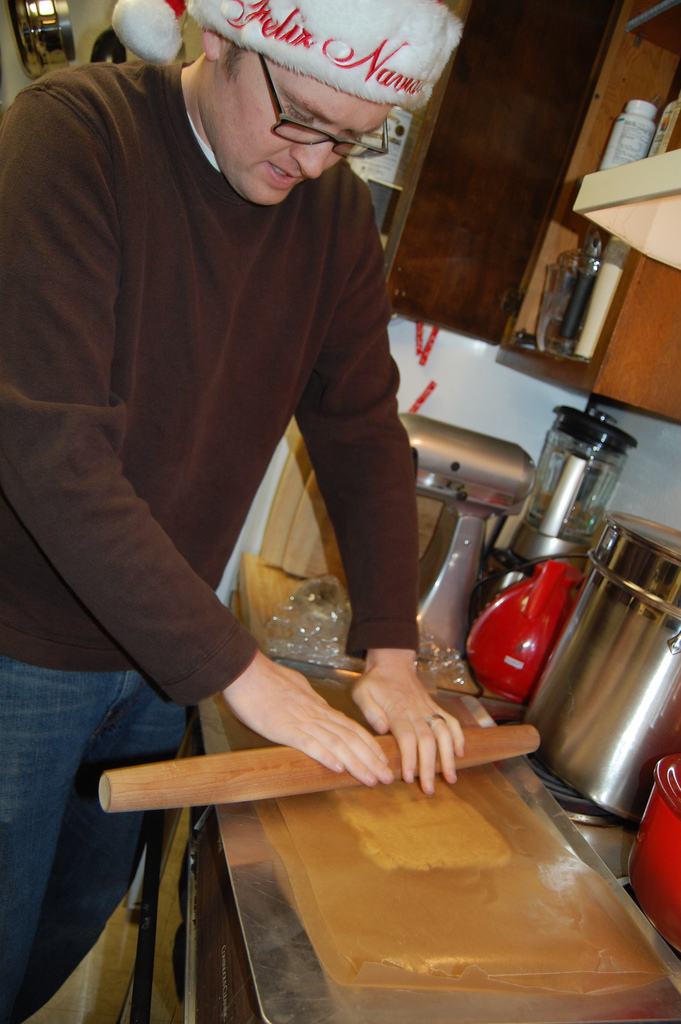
x=65 y=865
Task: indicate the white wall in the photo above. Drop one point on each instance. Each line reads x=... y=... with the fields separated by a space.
x=650 y=485
x=474 y=391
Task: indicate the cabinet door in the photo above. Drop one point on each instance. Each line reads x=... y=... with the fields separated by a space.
x=516 y=95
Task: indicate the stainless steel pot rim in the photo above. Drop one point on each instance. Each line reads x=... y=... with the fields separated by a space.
x=658 y=603
x=663 y=540
x=644 y=555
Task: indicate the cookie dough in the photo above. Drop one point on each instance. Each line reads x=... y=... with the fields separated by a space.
x=398 y=828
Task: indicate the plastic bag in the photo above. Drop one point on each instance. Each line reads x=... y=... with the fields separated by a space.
x=312 y=626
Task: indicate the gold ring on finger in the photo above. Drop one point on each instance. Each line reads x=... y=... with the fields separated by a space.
x=431 y=718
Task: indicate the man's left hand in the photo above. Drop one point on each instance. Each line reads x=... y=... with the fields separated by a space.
x=392 y=698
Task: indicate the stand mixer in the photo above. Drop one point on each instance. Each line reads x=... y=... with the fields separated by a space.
x=475 y=477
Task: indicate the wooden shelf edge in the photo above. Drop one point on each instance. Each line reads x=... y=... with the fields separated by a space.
x=567 y=372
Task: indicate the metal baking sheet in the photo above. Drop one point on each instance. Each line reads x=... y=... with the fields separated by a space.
x=293 y=988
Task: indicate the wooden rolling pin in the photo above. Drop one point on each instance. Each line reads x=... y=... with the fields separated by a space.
x=267 y=772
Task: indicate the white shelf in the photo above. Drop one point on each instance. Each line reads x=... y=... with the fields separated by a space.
x=640 y=202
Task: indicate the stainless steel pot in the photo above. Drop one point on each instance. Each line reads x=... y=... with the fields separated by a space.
x=608 y=705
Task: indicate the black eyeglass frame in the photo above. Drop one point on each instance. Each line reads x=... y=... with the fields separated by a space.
x=344 y=147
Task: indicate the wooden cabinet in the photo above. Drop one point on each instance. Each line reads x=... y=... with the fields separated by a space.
x=519 y=84
x=533 y=92
x=638 y=357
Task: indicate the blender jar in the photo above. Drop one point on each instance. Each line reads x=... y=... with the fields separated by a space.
x=578 y=470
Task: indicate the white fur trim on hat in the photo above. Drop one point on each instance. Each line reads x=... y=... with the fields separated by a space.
x=386 y=51
x=149 y=28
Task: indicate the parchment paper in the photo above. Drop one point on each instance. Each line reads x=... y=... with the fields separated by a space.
x=527 y=914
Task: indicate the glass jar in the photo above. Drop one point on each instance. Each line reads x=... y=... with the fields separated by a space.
x=568 y=287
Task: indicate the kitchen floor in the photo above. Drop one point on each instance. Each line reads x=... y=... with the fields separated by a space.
x=97 y=992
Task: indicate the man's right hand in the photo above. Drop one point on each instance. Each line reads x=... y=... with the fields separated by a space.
x=279 y=704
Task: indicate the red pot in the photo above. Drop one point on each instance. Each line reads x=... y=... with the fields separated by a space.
x=655 y=861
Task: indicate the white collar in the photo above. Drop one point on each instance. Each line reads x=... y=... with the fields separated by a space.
x=207 y=151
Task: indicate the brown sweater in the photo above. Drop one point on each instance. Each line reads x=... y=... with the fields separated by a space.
x=157 y=334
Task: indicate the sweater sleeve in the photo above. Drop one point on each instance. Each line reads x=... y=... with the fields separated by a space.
x=361 y=454
x=62 y=429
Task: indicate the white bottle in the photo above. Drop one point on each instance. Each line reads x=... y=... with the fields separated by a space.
x=631 y=135
x=670 y=116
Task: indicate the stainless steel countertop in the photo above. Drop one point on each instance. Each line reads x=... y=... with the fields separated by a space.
x=292 y=987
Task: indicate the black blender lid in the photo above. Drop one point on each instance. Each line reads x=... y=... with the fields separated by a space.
x=593 y=427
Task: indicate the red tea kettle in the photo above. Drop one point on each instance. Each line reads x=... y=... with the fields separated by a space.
x=510 y=641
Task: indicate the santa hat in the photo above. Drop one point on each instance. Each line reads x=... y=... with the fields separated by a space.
x=387 y=51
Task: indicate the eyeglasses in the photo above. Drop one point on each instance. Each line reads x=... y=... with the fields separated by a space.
x=366 y=144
